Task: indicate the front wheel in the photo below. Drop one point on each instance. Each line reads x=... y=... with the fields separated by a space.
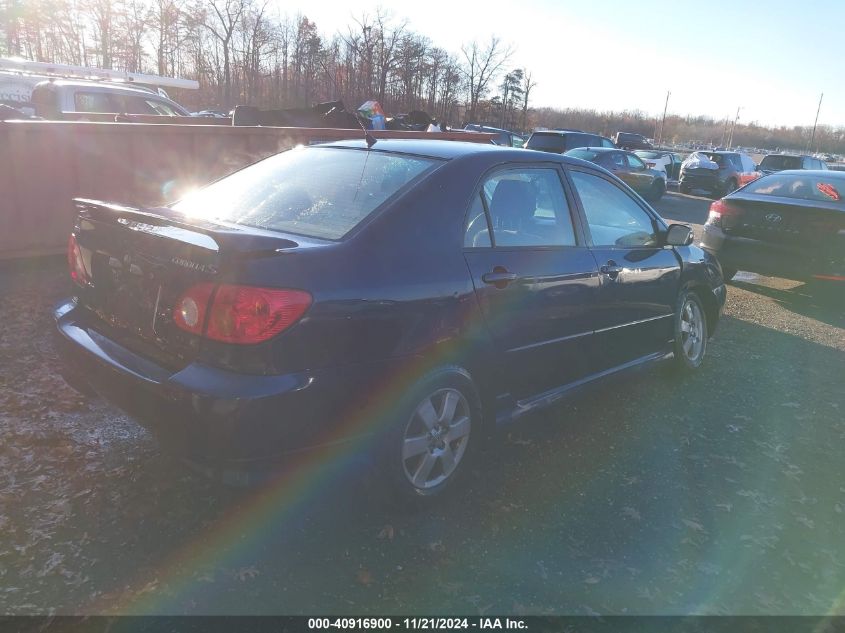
x=690 y=344
x=434 y=435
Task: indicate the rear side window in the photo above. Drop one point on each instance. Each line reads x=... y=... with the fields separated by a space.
x=614 y=217
x=317 y=192
x=527 y=207
x=606 y=142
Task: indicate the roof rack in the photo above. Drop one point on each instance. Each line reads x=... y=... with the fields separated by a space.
x=17 y=64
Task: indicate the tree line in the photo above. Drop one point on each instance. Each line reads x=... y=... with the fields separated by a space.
x=242 y=52
x=246 y=52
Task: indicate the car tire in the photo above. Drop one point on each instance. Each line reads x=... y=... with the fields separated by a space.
x=685 y=189
x=435 y=434
x=657 y=190
x=690 y=344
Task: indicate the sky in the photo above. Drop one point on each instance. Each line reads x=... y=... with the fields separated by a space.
x=770 y=58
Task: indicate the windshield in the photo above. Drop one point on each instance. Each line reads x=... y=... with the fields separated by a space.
x=781 y=162
x=317 y=192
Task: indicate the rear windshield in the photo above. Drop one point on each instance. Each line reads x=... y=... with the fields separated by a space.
x=781 y=162
x=547 y=142
x=317 y=192
x=583 y=154
x=819 y=188
x=649 y=155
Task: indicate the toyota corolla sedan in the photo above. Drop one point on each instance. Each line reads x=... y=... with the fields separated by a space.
x=395 y=301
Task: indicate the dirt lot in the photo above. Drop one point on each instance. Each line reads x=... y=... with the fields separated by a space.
x=723 y=493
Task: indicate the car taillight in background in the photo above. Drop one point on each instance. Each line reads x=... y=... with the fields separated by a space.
x=76 y=262
x=242 y=315
x=719 y=210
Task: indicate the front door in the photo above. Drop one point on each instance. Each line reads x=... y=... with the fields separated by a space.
x=534 y=278
x=640 y=279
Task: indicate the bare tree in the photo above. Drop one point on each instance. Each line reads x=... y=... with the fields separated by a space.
x=481 y=65
x=228 y=15
x=528 y=84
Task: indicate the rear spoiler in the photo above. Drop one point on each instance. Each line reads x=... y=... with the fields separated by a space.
x=167 y=223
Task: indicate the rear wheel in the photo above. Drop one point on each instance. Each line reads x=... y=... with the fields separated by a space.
x=434 y=436
x=690 y=344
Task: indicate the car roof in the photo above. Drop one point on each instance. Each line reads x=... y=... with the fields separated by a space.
x=107 y=85
x=602 y=150
x=790 y=155
x=434 y=148
x=562 y=131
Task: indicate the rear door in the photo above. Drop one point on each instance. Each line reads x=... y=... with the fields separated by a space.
x=639 y=279
x=534 y=277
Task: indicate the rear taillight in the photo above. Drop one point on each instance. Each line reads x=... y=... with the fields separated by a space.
x=76 y=263
x=239 y=314
x=719 y=210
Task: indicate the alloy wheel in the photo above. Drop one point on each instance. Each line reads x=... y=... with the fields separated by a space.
x=692 y=330
x=436 y=438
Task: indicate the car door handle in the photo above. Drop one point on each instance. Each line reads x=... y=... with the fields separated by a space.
x=499 y=277
x=611 y=269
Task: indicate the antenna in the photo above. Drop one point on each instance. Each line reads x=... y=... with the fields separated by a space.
x=369 y=138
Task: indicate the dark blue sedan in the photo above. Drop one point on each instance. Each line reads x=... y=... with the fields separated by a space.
x=402 y=298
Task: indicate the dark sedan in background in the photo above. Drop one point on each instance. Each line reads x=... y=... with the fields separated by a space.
x=628 y=167
x=789 y=224
x=560 y=141
x=412 y=294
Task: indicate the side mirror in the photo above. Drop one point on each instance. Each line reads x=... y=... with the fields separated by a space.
x=679 y=235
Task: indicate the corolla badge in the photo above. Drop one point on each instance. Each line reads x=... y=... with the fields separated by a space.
x=773 y=218
x=187 y=263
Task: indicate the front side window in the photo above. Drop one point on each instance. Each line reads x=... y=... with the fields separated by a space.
x=317 y=192
x=527 y=207
x=613 y=216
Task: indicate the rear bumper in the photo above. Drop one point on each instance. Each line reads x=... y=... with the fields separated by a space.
x=767 y=258
x=712 y=184
x=212 y=416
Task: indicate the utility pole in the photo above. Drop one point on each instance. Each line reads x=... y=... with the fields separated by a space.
x=813 y=137
x=663 y=123
x=731 y=137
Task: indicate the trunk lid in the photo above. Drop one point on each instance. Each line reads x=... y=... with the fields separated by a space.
x=140 y=262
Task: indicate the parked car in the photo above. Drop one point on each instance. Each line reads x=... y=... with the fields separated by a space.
x=717 y=173
x=413 y=294
x=780 y=162
x=789 y=224
x=505 y=138
x=628 y=167
x=560 y=141
x=58 y=98
x=667 y=162
x=631 y=141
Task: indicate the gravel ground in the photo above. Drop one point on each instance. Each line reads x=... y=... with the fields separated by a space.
x=720 y=494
